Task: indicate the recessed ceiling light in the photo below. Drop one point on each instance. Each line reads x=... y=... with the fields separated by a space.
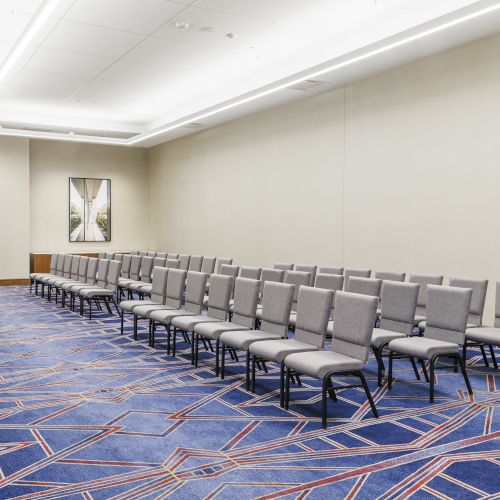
x=206 y=29
x=182 y=25
x=71 y=132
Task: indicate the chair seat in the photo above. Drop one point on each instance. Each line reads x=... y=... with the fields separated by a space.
x=187 y=323
x=422 y=325
x=318 y=364
x=166 y=316
x=35 y=276
x=136 y=286
x=78 y=287
x=96 y=292
x=242 y=339
x=422 y=347
x=48 y=277
x=418 y=319
x=381 y=336
x=69 y=284
x=214 y=330
x=277 y=350
x=129 y=305
x=146 y=289
x=145 y=310
x=205 y=301
x=484 y=335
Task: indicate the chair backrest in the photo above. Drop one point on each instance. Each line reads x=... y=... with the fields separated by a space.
x=173 y=263
x=91 y=275
x=283 y=266
x=159 y=262
x=175 y=287
x=143 y=253
x=53 y=263
x=250 y=272
x=68 y=259
x=184 y=261
x=331 y=270
x=101 y=255
x=135 y=267
x=114 y=270
x=208 y=265
x=313 y=312
x=152 y=254
x=390 y=276
x=60 y=264
x=308 y=269
x=172 y=256
x=102 y=272
x=119 y=256
x=147 y=269
x=82 y=268
x=196 y=284
x=479 y=288
x=159 y=284
x=357 y=273
x=223 y=261
x=229 y=270
x=447 y=313
x=134 y=252
x=127 y=260
x=75 y=265
x=423 y=280
x=497 y=306
x=162 y=255
x=277 y=301
x=195 y=263
x=221 y=289
x=353 y=322
x=399 y=302
x=246 y=297
x=109 y=255
x=364 y=286
x=334 y=282
x=298 y=279
x=272 y=275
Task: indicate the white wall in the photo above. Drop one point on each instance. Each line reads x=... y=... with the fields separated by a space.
x=416 y=188
x=51 y=165
x=14 y=208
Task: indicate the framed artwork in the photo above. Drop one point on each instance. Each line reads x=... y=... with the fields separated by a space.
x=89 y=209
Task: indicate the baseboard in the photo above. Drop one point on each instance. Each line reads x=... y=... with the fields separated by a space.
x=14 y=282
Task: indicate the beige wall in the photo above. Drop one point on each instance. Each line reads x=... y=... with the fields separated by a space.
x=14 y=208
x=52 y=163
x=416 y=188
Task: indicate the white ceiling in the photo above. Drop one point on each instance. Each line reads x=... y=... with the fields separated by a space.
x=121 y=68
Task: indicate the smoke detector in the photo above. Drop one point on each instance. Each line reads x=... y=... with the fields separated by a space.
x=182 y=25
x=206 y=29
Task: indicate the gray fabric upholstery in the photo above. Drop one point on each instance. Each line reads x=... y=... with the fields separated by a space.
x=214 y=330
x=318 y=364
x=162 y=255
x=484 y=335
x=91 y=277
x=422 y=347
x=229 y=270
x=277 y=350
x=251 y=272
x=184 y=261
x=242 y=339
x=208 y=265
x=329 y=281
x=159 y=285
x=283 y=266
x=114 y=270
x=497 y=306
x=158 y=262
x=147 y=269
x=135 y=267
x=68 y=259
x=273 y=275
x=127 y=259
x=151 y=254
x=353 y=322
x=75 y=265
x=195 y=263
x=479 y=288
x=423 y=280
x=364 y=286
x=447 y=312
x=381 y=336
x=165 y=316
x=96 y=292
x=187 y=323
x=173 y=263
x=129 y=305
x=195 y=290
x=246 y=296
x=331 y=270
x=145 y=310
x=109 y=255
x=82 y=268
x=175 y=288
x=276 y=306
x=399 y=301
x=308 y=269
x=142 y=253
x=172 y=256
x=119 y=256
x=390 y=276
x=102 y=272
x=223 y=261
x=221 y=288
x=358 y=273
x=297 y=279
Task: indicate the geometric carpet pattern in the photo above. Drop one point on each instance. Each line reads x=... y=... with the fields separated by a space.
x=88 y=413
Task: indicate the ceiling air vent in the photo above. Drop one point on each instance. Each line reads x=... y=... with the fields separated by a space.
x=193 y=125
x=308 y=85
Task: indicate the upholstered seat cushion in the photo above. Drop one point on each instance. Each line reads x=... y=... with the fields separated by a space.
x=422 y=347
x=96 y=292
x=243 y=339
x=78 y=287
x=69 y=284
x=129 y=305
x=166 y=316
x=35 y=276
x=187 y=323
x=318 y=364
x=214 y=330
x=277 y=350
x=145 y=310
x=422 y=325
x=381 y=336
x=486 y=335
x=136 y=286
x=146 y=289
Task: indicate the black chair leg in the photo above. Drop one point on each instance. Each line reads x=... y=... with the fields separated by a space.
x=368 y=394
x=217 y=352
x=464 y=373
x=424 y=370
x=174 y=341
x=121 y=321
x=135 y=327
x=415 y=369
x=464 y=352
x=247 y=378
x=287 y=389
x=331 y=390
x=484 y=355
x=380 y=364
x=223 y=361
x=432 y=378
x=282 y=384
x=90 y=308
x=324 y=409
x=493 y=357
x=252 y=389
x=389 y=374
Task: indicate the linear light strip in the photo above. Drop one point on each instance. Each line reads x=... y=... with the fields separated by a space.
x=34 y=27
x=315 y=74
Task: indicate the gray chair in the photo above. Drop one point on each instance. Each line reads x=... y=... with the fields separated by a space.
x=298 y=279
x=218 y=310
x=151 y=254
x=308 y=269
x=313 y=311
x=43 y=278
x=277 y=304
x=331 y=270
x=447 y=312
x=225 y=270
x=89 y=281
x=127 y=260
x=356 y=273
x=390 y=276
x=353 y=324
x=399 y=302
x=423 y=280
x=172 y=256
x=173 y=263
x=283 y=266
x=162 y=255
x=208 y=265
x=246 y=296
x=184 y=261
x=105 y=294
x=195 y=263
x=364 y=286
x=80 y=279
x=143 y=253
x=481 y=336
x=64 y=274
x=109 y=255
x=134 y=273
x=271 y=275
x=72 y=278
x=146 y=273
x=34 y=277
x=223 y=261
x=119 y=257
x=252 y=273
x=193 y=303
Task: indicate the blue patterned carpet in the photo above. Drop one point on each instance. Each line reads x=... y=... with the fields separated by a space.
x=87 y=413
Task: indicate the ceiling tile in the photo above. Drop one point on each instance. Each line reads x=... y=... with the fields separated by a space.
x=93 y=40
